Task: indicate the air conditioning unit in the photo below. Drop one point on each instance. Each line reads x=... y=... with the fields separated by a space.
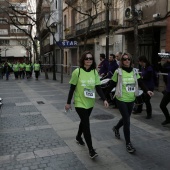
x=128 y=13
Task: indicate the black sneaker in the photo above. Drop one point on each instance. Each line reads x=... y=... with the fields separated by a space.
x=117 y=134
x=92 y=154
x=165 y=122
x=130 y=148
x=80 y=141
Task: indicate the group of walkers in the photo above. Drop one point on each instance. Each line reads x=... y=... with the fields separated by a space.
x=20 y=69
x=127 y=81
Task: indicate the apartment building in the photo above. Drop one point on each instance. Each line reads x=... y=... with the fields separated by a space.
x=153 y=28
x=13 y=41
x=49 y=31
x=153 y=34
x=76 y=25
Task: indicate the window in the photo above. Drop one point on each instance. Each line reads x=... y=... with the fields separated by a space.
x=22 y=42
x=4 y=42
x=18 y=20
x=20 y=7
x=56 y=4
x=3 y=21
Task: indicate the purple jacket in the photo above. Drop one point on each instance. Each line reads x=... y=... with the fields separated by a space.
x=104 y=66
x=112 y=67
x=148 y=79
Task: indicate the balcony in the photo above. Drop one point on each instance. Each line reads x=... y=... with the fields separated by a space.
x=98 y=24
x=70 y=32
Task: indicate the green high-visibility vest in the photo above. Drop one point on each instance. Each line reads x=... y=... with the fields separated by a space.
x=36 y=67
x=27 y=67
x=15 y=67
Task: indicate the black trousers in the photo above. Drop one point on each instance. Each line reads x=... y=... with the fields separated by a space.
x=164 y=102
x=125 y=109
x=84 y=126
x=16 y=74
x=36 y=74
x=22 y=74
x=28 y=73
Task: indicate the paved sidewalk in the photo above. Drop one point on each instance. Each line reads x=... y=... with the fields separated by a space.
x=36 y=133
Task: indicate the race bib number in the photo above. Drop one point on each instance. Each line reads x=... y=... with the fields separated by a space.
x=130 y=87
x=89 y=93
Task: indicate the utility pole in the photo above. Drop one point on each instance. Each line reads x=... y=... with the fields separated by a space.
x=135 y=25
x=61 y=48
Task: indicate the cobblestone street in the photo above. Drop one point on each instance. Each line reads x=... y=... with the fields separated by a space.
x=36 y=133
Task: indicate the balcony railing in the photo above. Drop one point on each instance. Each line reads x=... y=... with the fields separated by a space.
x=70 y=32
x=99 y=23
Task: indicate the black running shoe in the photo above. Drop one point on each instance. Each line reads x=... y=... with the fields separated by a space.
x=116 y=131
x=92 y=154
x=80 y=141
x=130 y=148
x=165 y=122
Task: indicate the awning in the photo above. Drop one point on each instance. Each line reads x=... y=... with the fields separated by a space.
x=148 y=25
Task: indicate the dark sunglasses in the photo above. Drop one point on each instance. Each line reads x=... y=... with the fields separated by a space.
x=88 y=58
x=125 y=59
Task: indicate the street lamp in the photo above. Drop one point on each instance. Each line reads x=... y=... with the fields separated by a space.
x=6 y=49
x=107 y=4
x=53 y=30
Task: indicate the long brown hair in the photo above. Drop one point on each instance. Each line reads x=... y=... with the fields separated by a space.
x=121 y=59
x=93 y=66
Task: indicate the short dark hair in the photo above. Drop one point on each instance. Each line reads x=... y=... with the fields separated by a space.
x=144 y=59
x=113 y=56
x=93 y=66
x=102 y=55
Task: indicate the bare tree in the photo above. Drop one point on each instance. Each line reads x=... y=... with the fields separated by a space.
x=15 y=13
x=91 y=15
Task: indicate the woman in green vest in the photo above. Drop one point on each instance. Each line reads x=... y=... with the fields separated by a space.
x=22 y=70
x=36 y=69
x=28 y=69
x=126 y=79
x=16 y=69
x=83 y=83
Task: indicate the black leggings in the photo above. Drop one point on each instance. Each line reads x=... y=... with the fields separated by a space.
x=84 y=126
x=164 y=102
x=36 y=74
x=125 y=109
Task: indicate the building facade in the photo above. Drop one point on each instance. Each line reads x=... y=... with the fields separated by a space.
x=49 y=31
x=151 y=26
x=13 y=40
x=76 y=23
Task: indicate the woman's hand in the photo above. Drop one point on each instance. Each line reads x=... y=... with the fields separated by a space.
x=150 y=93
x=67 y=107
x=106 y=104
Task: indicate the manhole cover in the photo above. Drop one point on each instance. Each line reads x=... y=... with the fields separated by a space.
x=40 y=102
x=104 y=117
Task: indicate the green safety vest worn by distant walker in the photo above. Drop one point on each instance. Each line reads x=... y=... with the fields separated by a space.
x=36 y=67
x=84 y=94
x=16 y=67
x=27 y=67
